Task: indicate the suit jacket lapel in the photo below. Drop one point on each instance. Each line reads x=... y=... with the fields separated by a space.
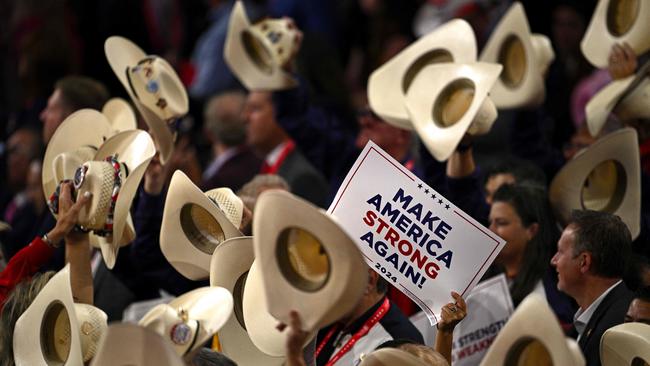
x=599 y=313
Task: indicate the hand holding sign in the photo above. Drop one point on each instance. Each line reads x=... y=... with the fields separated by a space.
x=452 y=314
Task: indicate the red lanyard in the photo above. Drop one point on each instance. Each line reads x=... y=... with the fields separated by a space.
x=376 y=317
x=286 y=150
x=409 y=164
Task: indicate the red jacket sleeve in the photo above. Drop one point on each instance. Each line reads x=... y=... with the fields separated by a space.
x=24 y=264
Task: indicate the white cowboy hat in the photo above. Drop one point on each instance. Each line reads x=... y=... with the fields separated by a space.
x=73 y=143
x=616 y=21
x=390 y=357
x=56 y=331
x=533 y=332
x=628 y=98
x=260 y=324
x=453 y=41
x=308 y=262
x=133 y=345
x=525 y=58
x=626 y=344
x=4 y=226
x=604 y=177
x=113 y=184
x=446 y=101
x=154 y=88
x=229 y=269
x=191 y=319
x=257 y=53
x=195 y=223
x=120 y=115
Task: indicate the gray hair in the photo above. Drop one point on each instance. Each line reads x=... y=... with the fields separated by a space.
x=222 y=116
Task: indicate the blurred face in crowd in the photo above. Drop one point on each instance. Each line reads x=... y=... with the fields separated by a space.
x=568 y=29
x=505 y=222
x=566 y=262
x=263 y=132
x=371 y=127
x=494 y=182
x=19 y=156
x=53 y=114
x=639 y=311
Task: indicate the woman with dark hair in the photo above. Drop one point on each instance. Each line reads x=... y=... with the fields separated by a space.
x=521 y=215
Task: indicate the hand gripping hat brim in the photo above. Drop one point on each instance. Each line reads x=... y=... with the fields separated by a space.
x=308 y=262
x=628 y=98
x=532 y=331
x=86 y=128
x=123 y=54
x=261 y=326
x=616 y=21
x=56 y=331
x=525 y=58
x=446 y=101
x=604 y=177
x=135 y=149
x=453 y=41
x=625 y=345
x=192 y=227
x=241 y=61
x=207 y=308
x=130 y=344
x=229 y=267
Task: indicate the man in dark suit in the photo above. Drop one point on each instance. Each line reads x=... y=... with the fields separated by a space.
x=280 y=154
x=591 y=257
x=234 y=164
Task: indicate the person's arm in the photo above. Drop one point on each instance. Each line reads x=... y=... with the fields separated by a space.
x=295 y=340
x=77 y=246
x=452 y=314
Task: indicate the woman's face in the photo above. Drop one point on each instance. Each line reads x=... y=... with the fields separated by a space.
x=505 y=222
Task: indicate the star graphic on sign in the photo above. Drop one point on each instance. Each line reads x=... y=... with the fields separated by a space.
x=420 y=185
x=433 y=196
x=440 y=202
x=426 y=191
x=447 y=207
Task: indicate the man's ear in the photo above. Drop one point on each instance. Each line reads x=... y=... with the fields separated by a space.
x=373 y=277
x=586 y=260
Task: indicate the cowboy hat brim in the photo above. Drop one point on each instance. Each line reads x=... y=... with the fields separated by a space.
x=424 y=94
x=454 y=41
x=134 y=148
x=120 y=115
x=175 y=245
x=83 y=128
x=122 y=54
x=565 y=192
x=532 y=320
x=599 y=39
x=240 y=63
x=230 y=262
x=277 y=211
x=530 y=89
x=622 y=344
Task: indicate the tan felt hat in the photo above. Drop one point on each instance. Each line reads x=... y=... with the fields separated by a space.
x=604 y=177
x=533 y=334
x=525 y=58
x=191 y=319
x=446 y=101
x=307 y=261
x=256 y=53
x=391 y=357
x=133 y=345
x=195 y=223
x=154 y=87
x=627 y=98
x=626 y=345
x=453 y=41
x=229 y=268
x=120 y=115
x=616 y=21
x=56 y=331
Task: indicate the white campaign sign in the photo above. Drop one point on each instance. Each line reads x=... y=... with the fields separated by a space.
x=489 y=306
x=411 y=235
